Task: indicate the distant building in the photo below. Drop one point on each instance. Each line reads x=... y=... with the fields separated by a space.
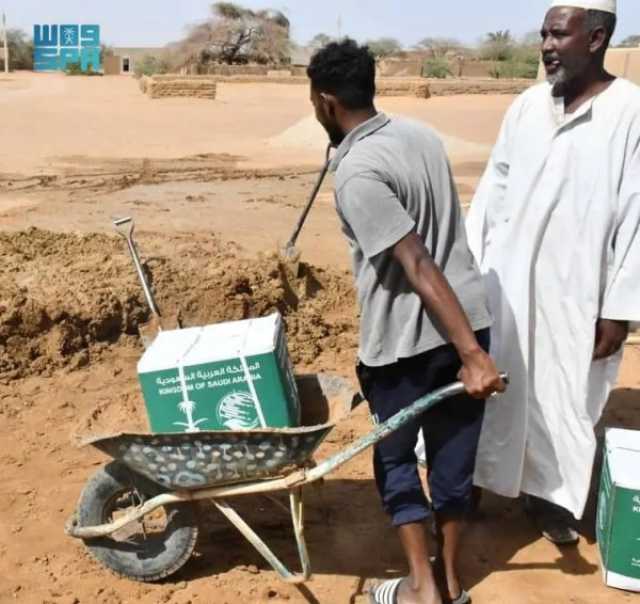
x=625 y=63
x=123 y=60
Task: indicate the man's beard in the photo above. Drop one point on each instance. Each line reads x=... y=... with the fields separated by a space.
x=336 y=136
x=566 y=75
x=559 y=80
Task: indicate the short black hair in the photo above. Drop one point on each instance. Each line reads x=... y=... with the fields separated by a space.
x=601 y=18
x=345 y=70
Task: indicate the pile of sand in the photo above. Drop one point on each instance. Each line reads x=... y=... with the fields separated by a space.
x=57 y=298
x=65 y=299
x=308 y=134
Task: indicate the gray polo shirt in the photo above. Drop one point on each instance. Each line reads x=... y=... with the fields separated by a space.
x=393 y=177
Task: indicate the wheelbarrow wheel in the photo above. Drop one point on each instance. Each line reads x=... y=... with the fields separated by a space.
x=147 y=550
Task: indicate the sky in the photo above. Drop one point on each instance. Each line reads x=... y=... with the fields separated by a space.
x=151 y=23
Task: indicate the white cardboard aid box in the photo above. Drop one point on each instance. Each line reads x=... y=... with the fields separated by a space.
x=229 y=376
x=618 y=519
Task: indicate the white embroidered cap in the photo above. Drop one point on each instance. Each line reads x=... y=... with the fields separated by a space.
x=608 y=6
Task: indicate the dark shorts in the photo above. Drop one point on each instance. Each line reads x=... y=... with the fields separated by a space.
x=451 y=432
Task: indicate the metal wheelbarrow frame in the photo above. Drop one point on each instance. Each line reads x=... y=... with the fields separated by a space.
x=293 y=477
x=183 y=468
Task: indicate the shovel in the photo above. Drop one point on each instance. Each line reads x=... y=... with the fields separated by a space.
x=148 y=331
x=290 y=255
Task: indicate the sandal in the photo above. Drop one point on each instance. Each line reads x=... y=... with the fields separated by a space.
x=463 y=598
x=385 y=592
x=553 y=522
x=441 y=581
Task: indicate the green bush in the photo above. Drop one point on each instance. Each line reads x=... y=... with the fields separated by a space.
x=527 y=54
x=514 y=69
x=436 y=68
x=498 y=46
x=75 y=69
x=150 y=65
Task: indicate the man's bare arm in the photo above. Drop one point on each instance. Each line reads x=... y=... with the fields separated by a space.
x=478 y=372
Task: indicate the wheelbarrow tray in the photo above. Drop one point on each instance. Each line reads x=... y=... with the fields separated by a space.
x=295 y=446
x=215 y=458
x=199 y=460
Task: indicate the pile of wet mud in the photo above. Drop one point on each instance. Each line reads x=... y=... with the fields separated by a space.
x=67 y=298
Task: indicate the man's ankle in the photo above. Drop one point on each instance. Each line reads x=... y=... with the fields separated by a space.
x=421 y=591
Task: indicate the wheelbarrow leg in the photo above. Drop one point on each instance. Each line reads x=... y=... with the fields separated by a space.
x=263 y=549
x=297 y=514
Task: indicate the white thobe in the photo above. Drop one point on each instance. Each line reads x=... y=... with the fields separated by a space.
x=555 y=228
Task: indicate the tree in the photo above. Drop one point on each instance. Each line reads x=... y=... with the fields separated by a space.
x=150 y=65
x=512 y=59
x=531 y=39
x=500 y=37
x=235 y=34
x=229 y=10
x=630 y=42
x=384 y=47
x=527 y=54
x=20 y=49
x=320 y=40
x=275 y=16
x=271 y=44
x=231 y=32
x=498 y=46
x=440 y=47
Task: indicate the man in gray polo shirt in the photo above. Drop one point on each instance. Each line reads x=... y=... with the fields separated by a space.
x=424 y=319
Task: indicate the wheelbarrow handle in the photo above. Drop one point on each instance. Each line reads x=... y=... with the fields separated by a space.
x=391 y=425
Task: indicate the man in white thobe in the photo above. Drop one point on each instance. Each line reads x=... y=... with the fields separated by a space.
x=555 y=227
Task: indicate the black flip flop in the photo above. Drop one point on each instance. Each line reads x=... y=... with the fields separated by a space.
x=441 y=581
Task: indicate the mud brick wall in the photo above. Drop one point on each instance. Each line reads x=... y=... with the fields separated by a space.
x=451 y=87
x=228 y=70
x=400 y=87
x=418 y=88
x=201 y=89
x=204 y=86
x=176 y=76
x=391 y=68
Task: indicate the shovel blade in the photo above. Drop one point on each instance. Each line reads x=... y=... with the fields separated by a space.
x=149 y=331
x=290 y=259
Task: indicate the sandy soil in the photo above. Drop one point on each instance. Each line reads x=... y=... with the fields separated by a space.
x=106 y=118
x=214 y=186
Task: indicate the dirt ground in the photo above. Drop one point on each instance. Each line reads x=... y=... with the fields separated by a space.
x=214 y=187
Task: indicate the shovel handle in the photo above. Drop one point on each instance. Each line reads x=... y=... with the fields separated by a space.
x=312 y=198
x=125 y=227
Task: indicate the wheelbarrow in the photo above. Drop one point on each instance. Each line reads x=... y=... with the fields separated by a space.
x=137 y=514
